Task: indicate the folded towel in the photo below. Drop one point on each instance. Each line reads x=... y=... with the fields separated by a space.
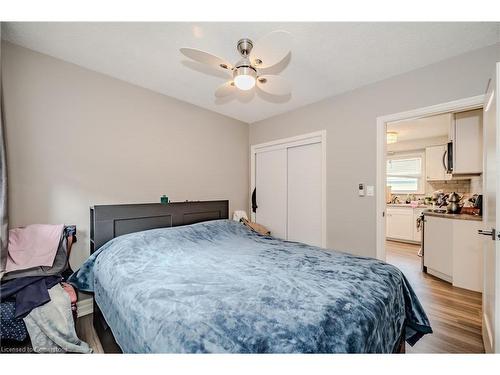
x=32 y=246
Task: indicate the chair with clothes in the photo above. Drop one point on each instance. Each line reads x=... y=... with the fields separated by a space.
x=38 y=309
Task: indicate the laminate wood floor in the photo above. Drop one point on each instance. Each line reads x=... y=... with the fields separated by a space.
x=86 y=332
x=455 y=313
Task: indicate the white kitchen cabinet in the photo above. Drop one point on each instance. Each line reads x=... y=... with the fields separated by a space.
x=399 y=224
x=453 y=251
x=434 y=168
x=467 y=255
x=467 y=138
x=466 y=135
x=438 y=247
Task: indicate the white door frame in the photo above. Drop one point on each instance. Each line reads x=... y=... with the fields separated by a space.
x=465 y=104
x=299 y=140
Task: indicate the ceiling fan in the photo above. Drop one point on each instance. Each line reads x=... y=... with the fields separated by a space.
x=248 y=71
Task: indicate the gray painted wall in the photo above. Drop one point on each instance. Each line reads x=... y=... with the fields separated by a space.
x=77 y=138
x=117 y=141
x=350 y=121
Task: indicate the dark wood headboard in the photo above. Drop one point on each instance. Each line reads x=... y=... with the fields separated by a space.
x=110 y=221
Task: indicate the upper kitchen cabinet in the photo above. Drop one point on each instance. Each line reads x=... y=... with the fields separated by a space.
x=466 y=135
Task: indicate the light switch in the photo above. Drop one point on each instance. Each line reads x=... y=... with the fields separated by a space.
x=370 y=190
x=361 y=190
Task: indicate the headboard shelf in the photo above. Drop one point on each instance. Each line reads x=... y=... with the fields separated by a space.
x=110 y=221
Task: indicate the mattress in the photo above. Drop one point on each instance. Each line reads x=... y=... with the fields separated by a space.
x=218 y=287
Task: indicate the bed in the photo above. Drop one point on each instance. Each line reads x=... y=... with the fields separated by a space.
x=200 y=283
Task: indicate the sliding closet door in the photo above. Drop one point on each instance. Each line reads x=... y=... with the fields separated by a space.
x=304 y=214
x=271 y=185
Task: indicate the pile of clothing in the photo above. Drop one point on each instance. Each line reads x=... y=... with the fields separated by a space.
x=36 y=304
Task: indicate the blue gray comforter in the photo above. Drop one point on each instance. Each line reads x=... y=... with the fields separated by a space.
x=219 y=287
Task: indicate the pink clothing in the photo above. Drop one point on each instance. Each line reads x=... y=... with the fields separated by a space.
x=32 y=246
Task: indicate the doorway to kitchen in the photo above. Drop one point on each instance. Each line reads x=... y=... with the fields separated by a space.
x=434 y=179
x=434 y=165
x=402 y=173
x=431 y=159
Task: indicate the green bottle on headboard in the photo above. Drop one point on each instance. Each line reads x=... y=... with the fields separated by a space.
x=164 y=199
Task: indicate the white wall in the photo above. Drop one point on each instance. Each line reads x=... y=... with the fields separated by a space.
x=77 y=138
x=121 y=143
x=350 y=121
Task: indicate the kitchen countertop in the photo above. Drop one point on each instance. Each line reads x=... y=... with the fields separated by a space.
x=407 y=205
x=437 y=214
x=454 y=216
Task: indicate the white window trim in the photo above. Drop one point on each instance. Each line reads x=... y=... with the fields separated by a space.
x=421 y=180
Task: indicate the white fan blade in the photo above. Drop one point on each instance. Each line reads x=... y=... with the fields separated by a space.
x=206 y=58
x=274 y=85
x=271 y=49
x=226 y=89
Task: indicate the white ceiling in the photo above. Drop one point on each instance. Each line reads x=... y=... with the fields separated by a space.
x=426 y=127
x=326 y=59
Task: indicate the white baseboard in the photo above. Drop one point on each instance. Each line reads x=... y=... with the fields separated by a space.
x=440 y=275
x=85 y=306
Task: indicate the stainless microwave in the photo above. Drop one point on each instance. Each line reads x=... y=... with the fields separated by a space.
x=448 y=158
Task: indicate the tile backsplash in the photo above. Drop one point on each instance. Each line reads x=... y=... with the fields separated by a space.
x=476 y=185
x=467 y=188
x=458 y=186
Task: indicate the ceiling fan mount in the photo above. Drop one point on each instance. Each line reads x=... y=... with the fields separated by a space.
x=244 y=46
x=246 y=74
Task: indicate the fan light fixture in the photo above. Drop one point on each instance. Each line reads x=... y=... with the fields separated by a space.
x=244 y=77
x=249 y=71
x=392 y=137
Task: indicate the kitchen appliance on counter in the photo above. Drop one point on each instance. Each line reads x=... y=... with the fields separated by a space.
x=477 y=203
x=440 y=198
x=454 y=206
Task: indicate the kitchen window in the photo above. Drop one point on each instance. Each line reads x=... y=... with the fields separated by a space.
x=404 y=173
